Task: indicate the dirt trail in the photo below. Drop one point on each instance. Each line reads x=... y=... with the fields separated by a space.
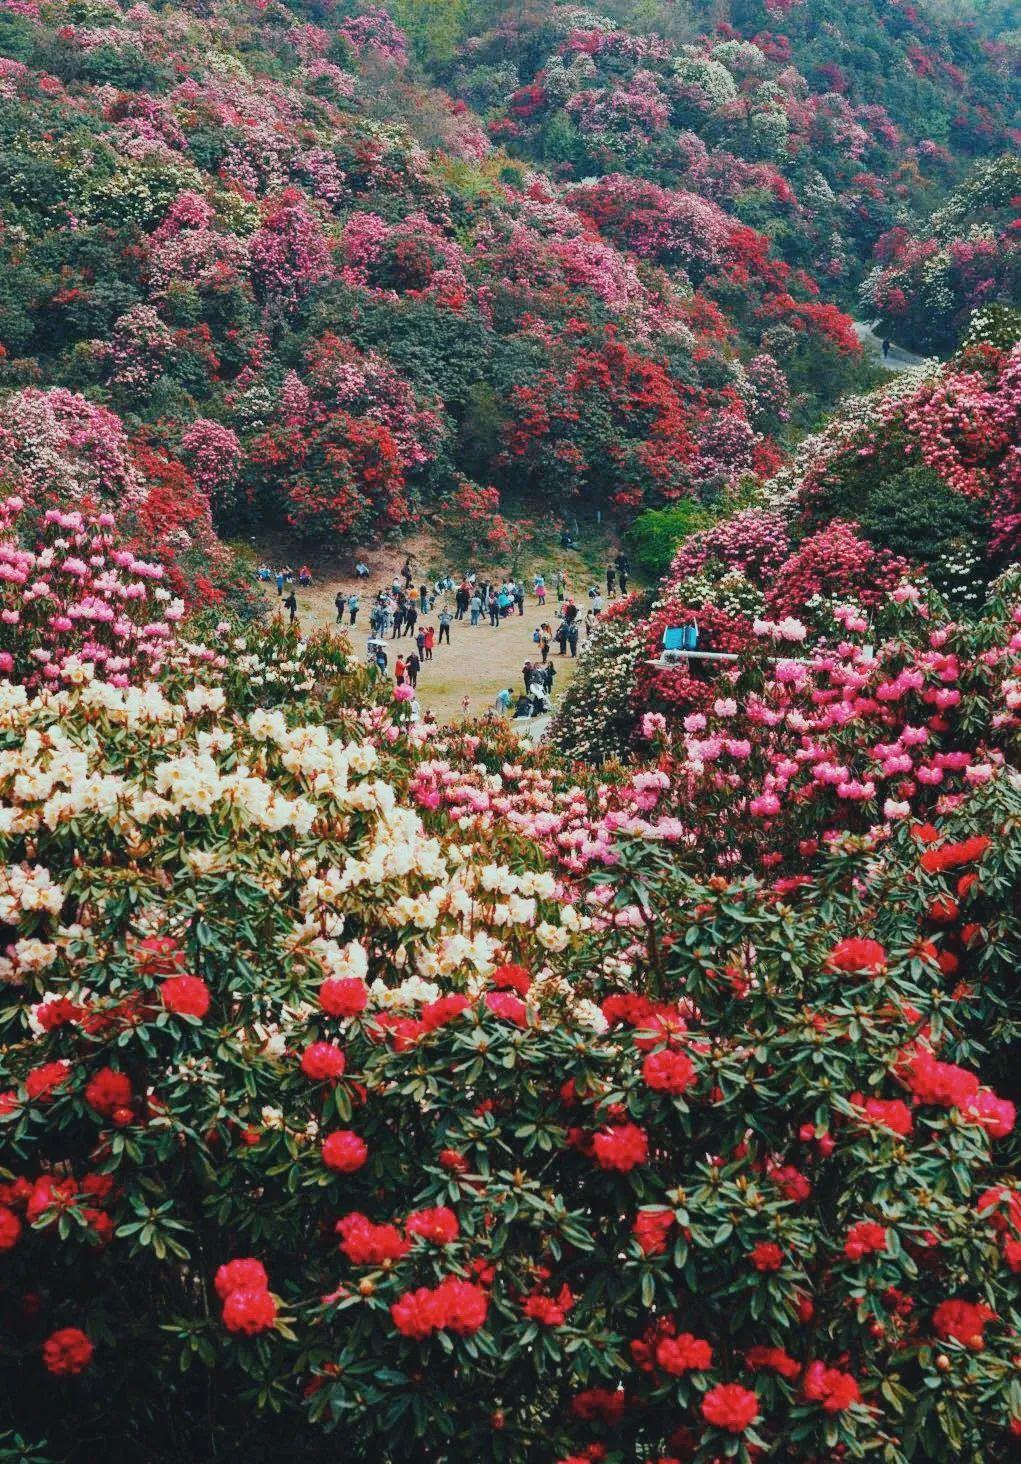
x=479 y=661
x=898 y=360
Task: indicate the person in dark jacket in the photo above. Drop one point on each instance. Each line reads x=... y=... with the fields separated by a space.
x=291 y=606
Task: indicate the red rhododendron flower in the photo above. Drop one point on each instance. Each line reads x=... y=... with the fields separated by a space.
x=651 y=1229
x=108 y=1091
x=159 y=955
x=627 y=1007
x=828 y=1386
x=962 y=1321
x=344 y=1151
x=856 y=954
x=249 y=1312
x=437 y=1224
x=864 y=1238
x=51 y=1015
x=621 y=1148
x=514 y=978
x=730 y=1406
x=460 y=1306
x=452 y=1160
x=366 y=1244
x=510 y=1008
x=951 y=856
x=668 y=1072
x=686 y=1353
x=890 y=1113
x=452 y=1306
x=10 y=1229
x=443 y=1010
x=67 y=1352
x=600 y=1405
x=343 y=996
x=550 y=1311
x=244 y=1274
x=943 y=910
x=792 y=1182
x=772 y=1359
x=41 y=1081
x=941 y=1083
x=767 y=1256
x=48 y=1193
x=186 y=995
x=413 y=1314
x=322 y=1062
x=1001 y=1199
x=996 y=1115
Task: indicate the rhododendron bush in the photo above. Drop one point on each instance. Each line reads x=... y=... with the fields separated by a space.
x=385 y=1131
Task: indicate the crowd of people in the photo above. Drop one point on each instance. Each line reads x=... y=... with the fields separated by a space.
x=420 y=618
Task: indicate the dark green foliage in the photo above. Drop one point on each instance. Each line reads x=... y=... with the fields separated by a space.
x=657 y=534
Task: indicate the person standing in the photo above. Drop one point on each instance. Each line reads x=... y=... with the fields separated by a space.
x=291 y=606
x=886 y=348
x=410 y=617
x=611 y=578
x=420 y=643
x=400 y=670
x=519 y=597
x=494 y=610
x=561 y=583
x=572 y=637
x=414 y=666
x=398 y=622
x=406 y=572
x=353 y=605
x=540 y=590
x=545 y=637
x=475 y=607
x=430 y=641
x=340 y=602
x=423 y=599
x=280 y=583
x=445 y=619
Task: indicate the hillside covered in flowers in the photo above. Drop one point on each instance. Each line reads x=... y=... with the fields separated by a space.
x=377 y=1089
x=294 y=278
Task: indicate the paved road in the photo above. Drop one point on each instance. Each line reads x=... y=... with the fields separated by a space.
x=897 y=360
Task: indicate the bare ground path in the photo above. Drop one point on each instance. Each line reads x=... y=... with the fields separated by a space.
x=479 y=661
x=898 y=360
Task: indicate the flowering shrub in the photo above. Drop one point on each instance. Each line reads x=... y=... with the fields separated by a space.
x=958 y=424
x=363 y=1116
x=79 y=605
x=215 y=455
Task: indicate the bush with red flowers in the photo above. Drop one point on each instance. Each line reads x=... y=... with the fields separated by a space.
x=573 y=1182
